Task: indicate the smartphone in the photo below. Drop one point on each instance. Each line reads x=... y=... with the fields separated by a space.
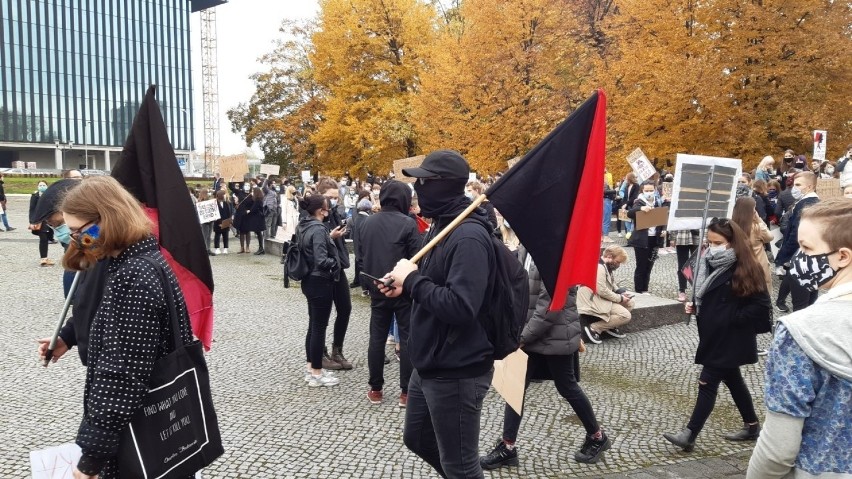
x=387 y=282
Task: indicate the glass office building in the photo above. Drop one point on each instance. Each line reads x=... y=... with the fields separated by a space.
x=74 y=72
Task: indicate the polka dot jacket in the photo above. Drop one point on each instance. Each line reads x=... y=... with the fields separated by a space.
x=130 y=331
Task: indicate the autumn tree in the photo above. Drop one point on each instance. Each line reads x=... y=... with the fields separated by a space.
x=368 y=55
x=725 y=77
x=502 y=75
x=286 y=106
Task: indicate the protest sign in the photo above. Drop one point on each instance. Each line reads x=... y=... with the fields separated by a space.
x=828 y=188
x=668 y=188
x=655 y=217
x=690 y=195
x=270 y=170
x=643 y=168
x=207 y=211
x=55 y=462
x=306 y=176
x=233 y=168
x=399 y=165
x=471 y=177
x=819 y=144
x=509 y=379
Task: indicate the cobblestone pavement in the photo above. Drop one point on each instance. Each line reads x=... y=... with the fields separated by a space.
x=274 y=426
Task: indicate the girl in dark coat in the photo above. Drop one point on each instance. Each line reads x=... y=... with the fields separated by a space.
x=551 y=341
x=732 y=305
x=226 y=212
x=40 y=228
x=131 y=328
x=249 y=219
x=645 y=242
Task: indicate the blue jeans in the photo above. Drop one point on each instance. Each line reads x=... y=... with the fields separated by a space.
x=442 y=422
x=607 y=215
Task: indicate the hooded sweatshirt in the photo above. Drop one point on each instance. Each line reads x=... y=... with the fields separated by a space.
x=387 y=236
x=808 y=429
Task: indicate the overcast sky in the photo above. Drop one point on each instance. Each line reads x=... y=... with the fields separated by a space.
x=245 y=31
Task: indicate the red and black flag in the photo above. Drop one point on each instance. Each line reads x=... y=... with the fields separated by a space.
x=149 y=170
x=553 y=198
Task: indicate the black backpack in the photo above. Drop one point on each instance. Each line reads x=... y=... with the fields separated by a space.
x=296 y=266
x=507 y=301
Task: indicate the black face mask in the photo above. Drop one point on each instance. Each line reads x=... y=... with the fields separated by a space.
x=437 y=197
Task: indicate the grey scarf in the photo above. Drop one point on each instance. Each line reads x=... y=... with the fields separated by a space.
x=720 y=262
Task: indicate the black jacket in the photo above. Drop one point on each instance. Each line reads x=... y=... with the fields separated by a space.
x=332 y=221
x=726 y=325
x=130 y=331
x=2 y=191
x=791 y=238
x=387 y=236
x=449 y=293
x=250 y=213
x=641 y=238
x=226 y=210
x=318 y=248
x=87 y=298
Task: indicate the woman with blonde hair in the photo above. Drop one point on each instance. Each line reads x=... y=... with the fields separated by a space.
x=131 y=328
x=765 y=169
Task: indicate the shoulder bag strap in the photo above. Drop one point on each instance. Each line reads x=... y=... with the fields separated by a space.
x=168 y=294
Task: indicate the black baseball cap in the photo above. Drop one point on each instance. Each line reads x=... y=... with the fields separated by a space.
x=52 y=196
x=444 y=164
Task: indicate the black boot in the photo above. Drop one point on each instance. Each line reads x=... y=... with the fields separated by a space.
x=592 y=449
x=260 y=251
x=337 y=356
x=500 y=456
x=684 y=439
x=328 y=363
x=749 y=432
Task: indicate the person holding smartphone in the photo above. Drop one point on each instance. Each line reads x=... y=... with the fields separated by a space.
x=612 y=306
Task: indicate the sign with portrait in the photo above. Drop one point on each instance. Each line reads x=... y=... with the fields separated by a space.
x=643 y=167
x=819 y=144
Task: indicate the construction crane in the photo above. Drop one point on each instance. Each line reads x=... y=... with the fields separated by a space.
x=210 y=89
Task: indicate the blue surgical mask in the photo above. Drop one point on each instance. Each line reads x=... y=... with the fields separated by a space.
x=42 y=188
x=797 y=193
x=332 y=202
x=716 y=249
x=62 y=233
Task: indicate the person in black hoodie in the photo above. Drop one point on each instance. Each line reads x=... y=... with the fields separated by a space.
x=383 y=239
x=328 y=188
x=448 y=346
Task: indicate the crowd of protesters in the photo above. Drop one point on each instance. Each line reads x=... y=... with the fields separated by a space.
x=435 y=307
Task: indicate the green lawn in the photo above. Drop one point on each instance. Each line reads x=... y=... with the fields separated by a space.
x=15 y=184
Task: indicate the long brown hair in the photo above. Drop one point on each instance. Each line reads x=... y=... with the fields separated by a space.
x=122 y=222
x=744 y=215
x=748 y=275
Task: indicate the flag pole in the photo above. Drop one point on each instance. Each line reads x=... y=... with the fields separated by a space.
x=49 y=354
x=450 y=227
x=701 y=239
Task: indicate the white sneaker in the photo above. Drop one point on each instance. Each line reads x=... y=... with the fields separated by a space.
x=225 y=251
x=323 y=380
x=620 y=235
x=325 y=372
x=217 y=251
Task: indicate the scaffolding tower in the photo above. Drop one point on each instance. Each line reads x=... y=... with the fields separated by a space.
x=210 y=90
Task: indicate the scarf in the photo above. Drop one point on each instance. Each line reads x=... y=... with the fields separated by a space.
x=713 y=267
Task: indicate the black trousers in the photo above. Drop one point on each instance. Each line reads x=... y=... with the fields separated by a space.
x=562 y=370
x=642 y=274
x=382 y=312
x=320 y=294
x=683 y=254
x=802 y=297
x=343 y=306
x=220 y=233
x=44 y=239
x=442 y=423
x=708 y=387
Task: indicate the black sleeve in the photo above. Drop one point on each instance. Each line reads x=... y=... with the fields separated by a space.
x=760 y=206
x=33 y=205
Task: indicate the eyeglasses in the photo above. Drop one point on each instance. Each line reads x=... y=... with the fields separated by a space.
x=76 y=232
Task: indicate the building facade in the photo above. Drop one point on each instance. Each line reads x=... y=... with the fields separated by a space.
x=74 y=72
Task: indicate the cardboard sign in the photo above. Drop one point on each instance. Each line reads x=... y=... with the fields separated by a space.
x=270 y=170
x=207 y=211
x=399 y=165
x=829 y=188
x=689 y=195
x=509 y=376
x=233 y=168
x=655 y=217
x=643 y=168
x=819 y=144
x=55 y=462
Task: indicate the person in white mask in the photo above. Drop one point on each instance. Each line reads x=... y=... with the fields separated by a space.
x=645 y=242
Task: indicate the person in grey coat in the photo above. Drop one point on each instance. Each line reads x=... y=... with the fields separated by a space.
x=552 y=342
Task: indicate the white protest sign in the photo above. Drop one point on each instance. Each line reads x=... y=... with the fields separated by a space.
x=270 y=170
x=55 y=462
x=643 y=168
x=207 y=211
x=306 y=176
x=471 y=177
x=819 y=144
x=689 y=195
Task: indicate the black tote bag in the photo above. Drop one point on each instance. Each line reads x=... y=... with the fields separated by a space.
x=175 y=432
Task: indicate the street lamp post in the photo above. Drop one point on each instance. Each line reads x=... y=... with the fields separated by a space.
x=86 y=143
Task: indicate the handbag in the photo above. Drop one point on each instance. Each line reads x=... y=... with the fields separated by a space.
x=175 y=432
x=225 y=224
x=296 y=266
x=622 y=216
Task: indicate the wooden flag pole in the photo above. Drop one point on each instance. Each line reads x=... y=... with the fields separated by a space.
x=450 y=227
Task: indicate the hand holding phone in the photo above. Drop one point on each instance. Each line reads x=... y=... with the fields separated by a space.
x=387 y=283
